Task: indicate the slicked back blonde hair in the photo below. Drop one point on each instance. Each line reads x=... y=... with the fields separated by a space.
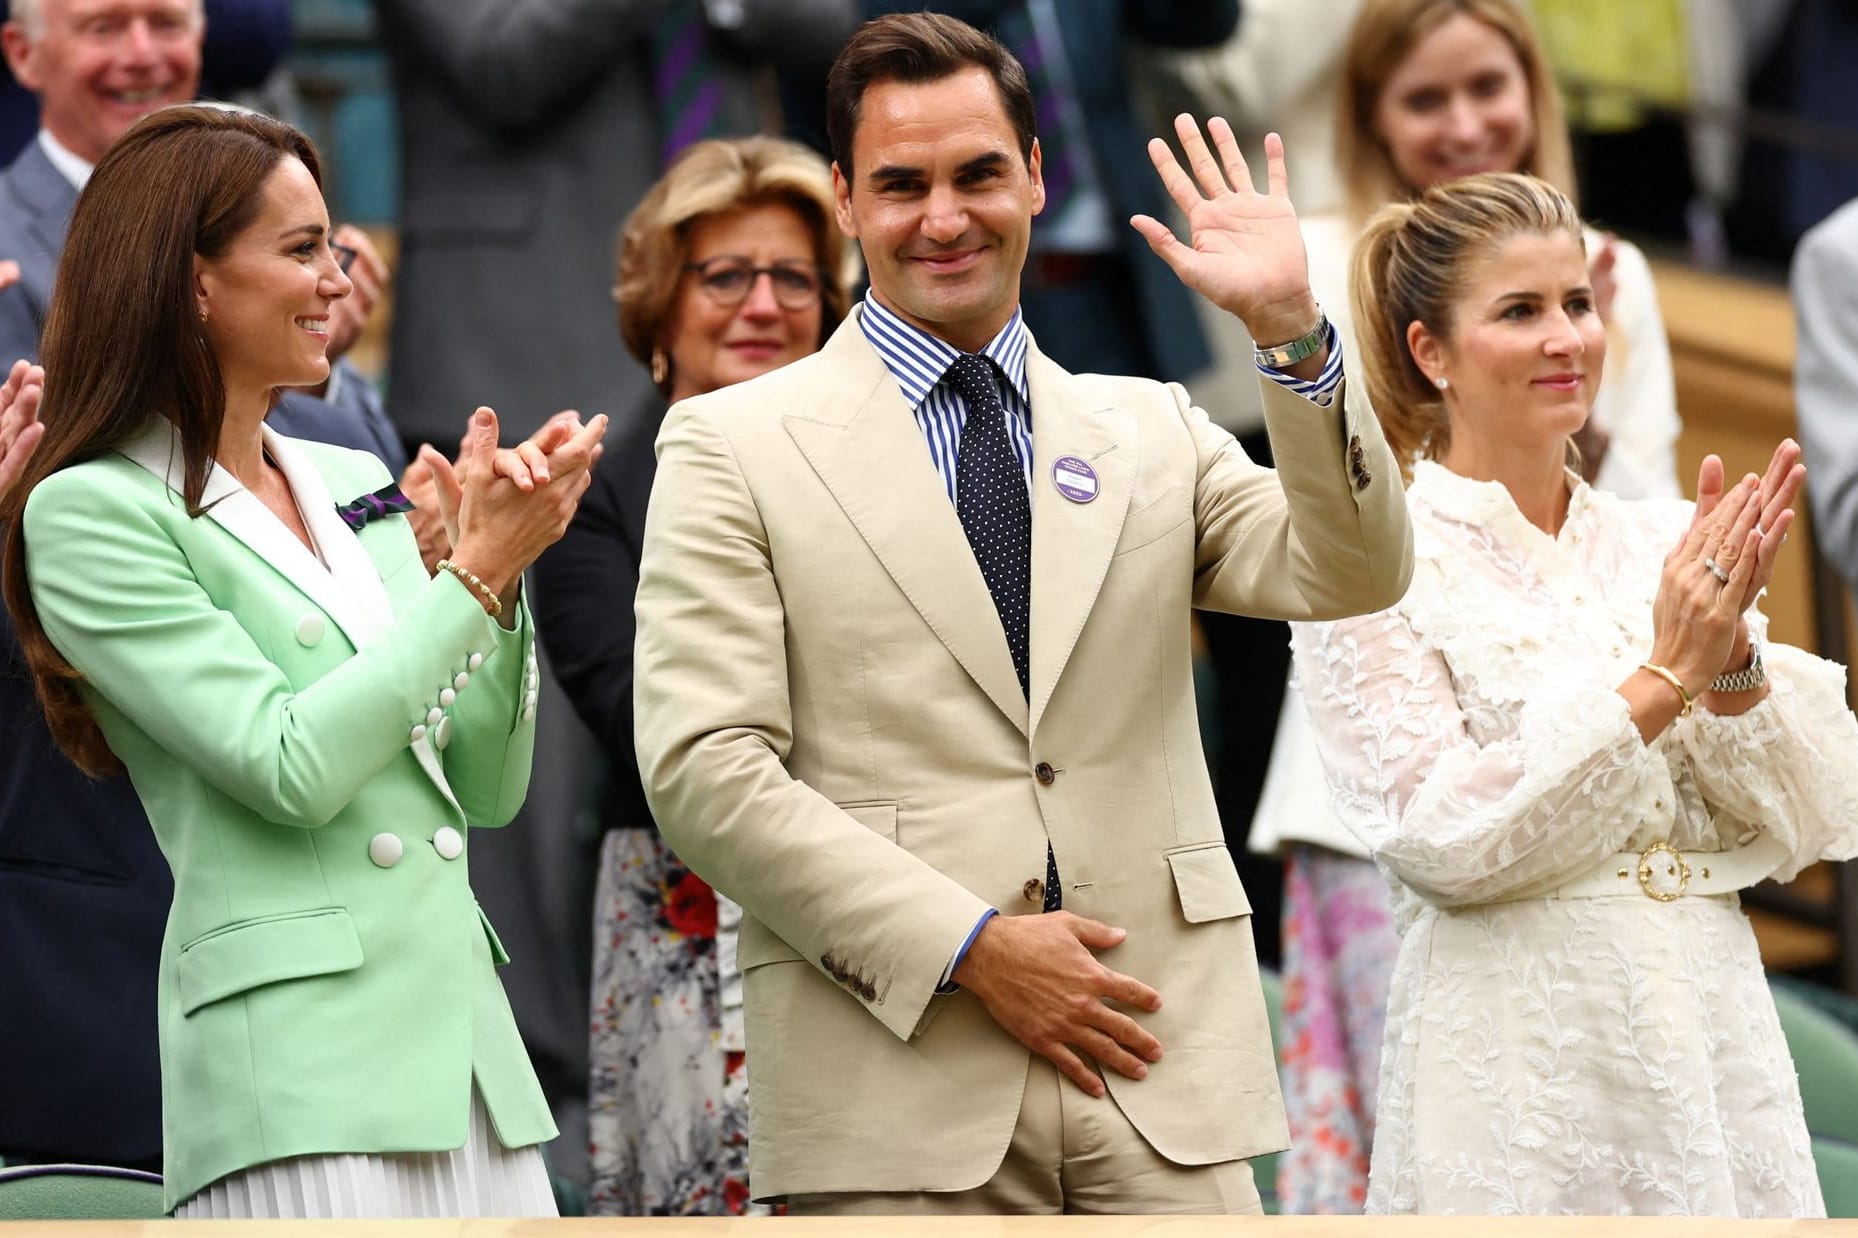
x=1383 y=36
x=712 y=178
x=1412 y=264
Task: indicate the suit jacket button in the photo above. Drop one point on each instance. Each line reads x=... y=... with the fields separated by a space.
x=442 y=734
x=449 y=843
x=868 y=991
x=385 y=849
x=1363 y=479
x=310 y=629
x=1033 y=890
x=1044 y=773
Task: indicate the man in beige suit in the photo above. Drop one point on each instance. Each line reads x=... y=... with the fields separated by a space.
x=913 y=665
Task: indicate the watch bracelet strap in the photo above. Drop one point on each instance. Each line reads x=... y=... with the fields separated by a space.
x=1747 y=679
x=1280 y=356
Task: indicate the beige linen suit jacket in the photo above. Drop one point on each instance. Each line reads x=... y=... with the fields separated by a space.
x=831 y=732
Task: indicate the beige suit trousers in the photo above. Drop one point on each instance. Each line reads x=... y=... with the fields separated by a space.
x=1070 y=1153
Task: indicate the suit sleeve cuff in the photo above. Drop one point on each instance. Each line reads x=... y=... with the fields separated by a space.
x=947 y=984
x=1320 y=390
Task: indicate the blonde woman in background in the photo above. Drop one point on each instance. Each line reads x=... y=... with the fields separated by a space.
x=731 y=266
x=1570 y=747
x=1431 y=91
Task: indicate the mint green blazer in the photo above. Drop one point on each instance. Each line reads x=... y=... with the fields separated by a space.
x=311 y=738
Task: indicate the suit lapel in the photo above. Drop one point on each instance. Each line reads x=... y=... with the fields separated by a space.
x=48 y=197
x=866 y=447
x=1071 y=542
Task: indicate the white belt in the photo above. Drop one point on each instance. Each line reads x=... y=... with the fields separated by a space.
x=1664 y=873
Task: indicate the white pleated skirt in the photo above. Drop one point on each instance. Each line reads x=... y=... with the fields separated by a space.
x=481 y=1179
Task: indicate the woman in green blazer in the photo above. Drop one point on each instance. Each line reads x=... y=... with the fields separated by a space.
x=243 y=623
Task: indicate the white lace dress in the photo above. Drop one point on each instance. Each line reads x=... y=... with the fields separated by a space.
x=1605 y=1055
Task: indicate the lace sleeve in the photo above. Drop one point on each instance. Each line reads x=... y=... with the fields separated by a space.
x=1786 y=765
x=1459 y=821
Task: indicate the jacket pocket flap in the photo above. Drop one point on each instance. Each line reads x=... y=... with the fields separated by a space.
x=878 y=816
x=1208 y=883
x=250 y=953
x=758 y=944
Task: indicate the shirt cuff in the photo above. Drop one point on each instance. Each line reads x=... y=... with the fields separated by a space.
x=947 y=984
x=1320 y=390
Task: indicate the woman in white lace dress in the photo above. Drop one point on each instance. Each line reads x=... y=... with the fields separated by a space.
x=1568 y=747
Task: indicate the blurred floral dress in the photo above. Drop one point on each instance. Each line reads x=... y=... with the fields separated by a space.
x=668 y=1097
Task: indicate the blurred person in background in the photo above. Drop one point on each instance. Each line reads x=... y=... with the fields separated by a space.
x=527 y=129
x=83 y=888
x=246 y=42
x=1825 y=297
x=1097 y=299
x=1569 y=747
x=1431 y=90
x=731 y=266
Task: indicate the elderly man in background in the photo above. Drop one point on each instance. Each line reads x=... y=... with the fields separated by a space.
x=83 y=890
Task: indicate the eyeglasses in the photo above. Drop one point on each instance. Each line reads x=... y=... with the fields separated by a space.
x=728 y=281
x=345 y=255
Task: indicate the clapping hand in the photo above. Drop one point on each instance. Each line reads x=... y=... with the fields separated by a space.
x=1776 y=491
x=1246 y=252
x=20 y=429
x=504 y=507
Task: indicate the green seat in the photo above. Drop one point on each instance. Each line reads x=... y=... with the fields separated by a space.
x=1825 y=1053
x=1837 y=1162
x=1264 y=1168
x=78 y=1193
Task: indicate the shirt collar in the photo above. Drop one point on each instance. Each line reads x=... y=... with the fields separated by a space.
x=1470 y=501
x=74 y=168
x=918 y=360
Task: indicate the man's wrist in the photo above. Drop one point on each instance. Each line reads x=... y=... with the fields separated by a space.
x=1280 y=325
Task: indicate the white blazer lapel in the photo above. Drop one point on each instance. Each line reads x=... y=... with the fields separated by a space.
x=361 y=606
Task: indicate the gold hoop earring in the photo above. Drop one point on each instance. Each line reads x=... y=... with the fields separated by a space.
x=661 y=366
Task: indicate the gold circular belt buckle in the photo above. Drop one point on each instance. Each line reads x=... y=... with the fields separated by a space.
x=1651 y=859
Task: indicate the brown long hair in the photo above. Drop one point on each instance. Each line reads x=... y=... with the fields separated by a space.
x=1411 y=265
x=123 y=342
x=1383 y=36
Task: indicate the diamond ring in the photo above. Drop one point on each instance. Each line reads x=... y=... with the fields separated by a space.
x=1716 y=570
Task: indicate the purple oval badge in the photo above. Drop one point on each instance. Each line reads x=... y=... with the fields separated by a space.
x=1075 y=480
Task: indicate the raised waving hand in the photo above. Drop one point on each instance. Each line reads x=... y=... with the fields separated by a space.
x=1244 y=250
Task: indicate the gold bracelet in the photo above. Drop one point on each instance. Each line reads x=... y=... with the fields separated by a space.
x=1677 y=685
x=494 y=604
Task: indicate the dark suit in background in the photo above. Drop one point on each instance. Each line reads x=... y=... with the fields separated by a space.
x=528 y=129
x=1120 y=311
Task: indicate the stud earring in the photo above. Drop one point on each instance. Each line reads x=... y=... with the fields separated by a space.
x=661 y=367
x=1441 y=383
x=203 y=313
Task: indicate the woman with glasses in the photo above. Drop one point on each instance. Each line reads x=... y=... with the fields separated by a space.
x=730 y=267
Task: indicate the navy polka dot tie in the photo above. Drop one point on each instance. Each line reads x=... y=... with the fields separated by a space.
x=996 y=514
